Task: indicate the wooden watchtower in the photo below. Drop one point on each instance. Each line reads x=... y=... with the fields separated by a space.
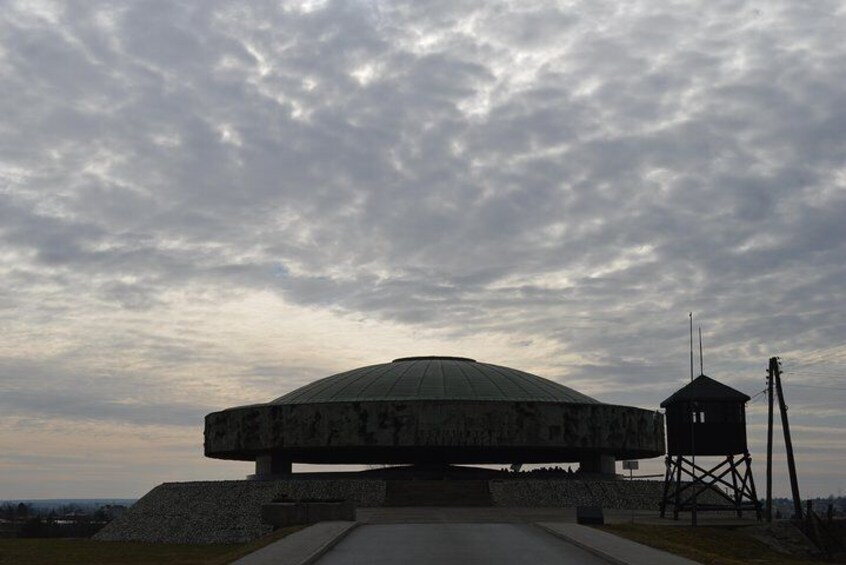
x=707 y=419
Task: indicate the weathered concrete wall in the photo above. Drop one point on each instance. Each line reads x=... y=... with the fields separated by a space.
x=357 y=432
x=616 y=494
x=638 y=495
x=224 y=511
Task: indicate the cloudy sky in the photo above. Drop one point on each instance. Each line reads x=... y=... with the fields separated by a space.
x=205 y=204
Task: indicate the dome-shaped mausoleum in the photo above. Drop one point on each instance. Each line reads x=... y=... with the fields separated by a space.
x=433 y=410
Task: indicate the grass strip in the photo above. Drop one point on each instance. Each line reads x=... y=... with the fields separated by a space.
x=706 y=544
x=76 y=551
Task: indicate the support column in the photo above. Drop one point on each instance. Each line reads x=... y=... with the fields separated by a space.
x=598 y=464
x=271 y=466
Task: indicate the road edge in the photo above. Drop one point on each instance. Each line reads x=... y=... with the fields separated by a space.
x=329 y=544
x=589 y=548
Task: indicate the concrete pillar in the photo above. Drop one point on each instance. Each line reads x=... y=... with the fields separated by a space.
x=598 y=464
x=271 y=466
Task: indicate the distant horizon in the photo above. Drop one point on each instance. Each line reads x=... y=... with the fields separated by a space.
x=130 y=499
x=781 y=491
x=68 y=500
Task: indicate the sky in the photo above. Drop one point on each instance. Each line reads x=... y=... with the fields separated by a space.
x=208 y=204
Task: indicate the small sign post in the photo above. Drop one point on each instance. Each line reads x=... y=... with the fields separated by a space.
x=631 y=466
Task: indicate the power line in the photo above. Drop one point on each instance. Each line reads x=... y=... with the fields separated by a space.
x=758 y=396
x=823 y=366
x=817 y=386
x=804 y=372
x=821 y=356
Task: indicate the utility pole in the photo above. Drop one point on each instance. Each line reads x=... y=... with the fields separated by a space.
x=770 y=373
x=788 y=444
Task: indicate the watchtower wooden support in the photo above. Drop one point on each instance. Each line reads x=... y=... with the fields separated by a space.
x=731 y=475
x=707 y=419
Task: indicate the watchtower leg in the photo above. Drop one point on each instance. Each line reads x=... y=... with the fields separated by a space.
x=738 y=494
x=753 y=492
x=668 y=475
x=678 y=487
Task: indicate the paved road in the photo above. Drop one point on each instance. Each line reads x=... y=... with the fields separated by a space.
x=454 y=544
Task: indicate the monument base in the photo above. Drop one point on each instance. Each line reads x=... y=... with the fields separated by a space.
x=230 y=511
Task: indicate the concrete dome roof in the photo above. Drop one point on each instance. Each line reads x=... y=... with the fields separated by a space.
x=434 y=378
x=432 y=410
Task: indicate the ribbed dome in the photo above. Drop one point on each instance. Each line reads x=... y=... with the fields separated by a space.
x=434 y=378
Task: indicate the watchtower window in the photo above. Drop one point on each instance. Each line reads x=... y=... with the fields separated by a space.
x=698 y=416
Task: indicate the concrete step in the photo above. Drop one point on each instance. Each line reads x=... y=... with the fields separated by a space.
x=437 y=493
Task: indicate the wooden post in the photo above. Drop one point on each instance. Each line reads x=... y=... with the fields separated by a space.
x=770 y=372
x=678 y=487
x=788 y=444
x=738 y=494
x=753 y=494
x=667 y=478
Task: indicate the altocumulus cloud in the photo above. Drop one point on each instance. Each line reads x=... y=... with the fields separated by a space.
x=572 y=176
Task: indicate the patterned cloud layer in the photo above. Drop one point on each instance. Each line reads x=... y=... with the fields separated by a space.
x=209 y=203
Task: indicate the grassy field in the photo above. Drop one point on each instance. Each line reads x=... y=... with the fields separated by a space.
x=710 y=545
x=76 y=551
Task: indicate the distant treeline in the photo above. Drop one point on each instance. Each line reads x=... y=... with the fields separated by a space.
x=56 y=504
x=784 y=506
x=27 y=520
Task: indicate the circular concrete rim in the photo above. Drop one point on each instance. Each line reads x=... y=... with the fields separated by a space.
x=247 y=441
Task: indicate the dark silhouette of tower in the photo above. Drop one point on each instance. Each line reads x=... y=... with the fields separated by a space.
x=707 y=419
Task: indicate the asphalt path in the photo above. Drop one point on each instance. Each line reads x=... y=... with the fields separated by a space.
x=454 y=544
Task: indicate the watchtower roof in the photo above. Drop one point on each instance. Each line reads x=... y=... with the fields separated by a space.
x=705 y=388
